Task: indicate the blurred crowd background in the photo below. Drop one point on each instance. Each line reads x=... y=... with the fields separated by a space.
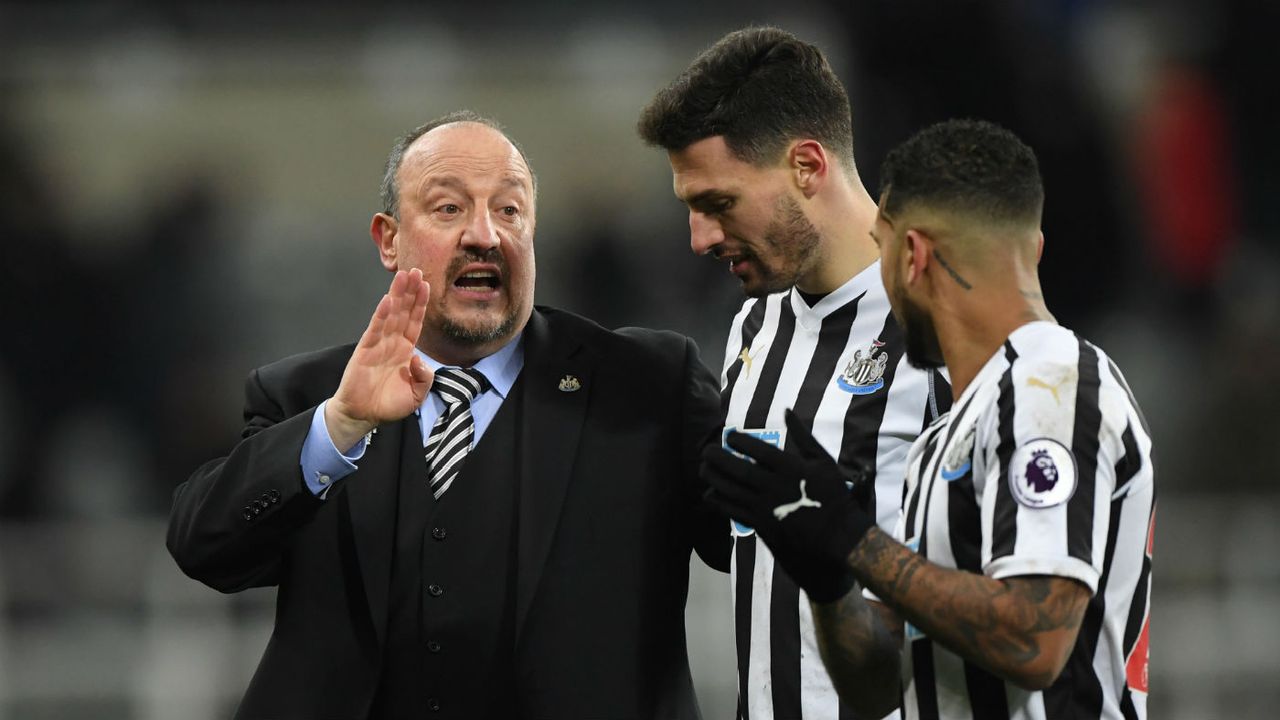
x=185 y=193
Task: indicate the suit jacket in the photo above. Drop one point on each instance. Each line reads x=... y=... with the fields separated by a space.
x=609 y=508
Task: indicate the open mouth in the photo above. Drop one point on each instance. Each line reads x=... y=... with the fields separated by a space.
x=479 y=280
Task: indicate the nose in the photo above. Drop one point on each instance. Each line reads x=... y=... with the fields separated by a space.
x=480 y=234
x=704 y=233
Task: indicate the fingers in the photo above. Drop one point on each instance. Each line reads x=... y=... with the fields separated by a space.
x=401 y=301
x=418 y=311
x=377 y=323
x=799 y=437
x=733 y=509
x=756 y=449
x=742 y=480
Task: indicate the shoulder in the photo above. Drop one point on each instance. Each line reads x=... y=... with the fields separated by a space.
x=317 y=368
x=626 y=343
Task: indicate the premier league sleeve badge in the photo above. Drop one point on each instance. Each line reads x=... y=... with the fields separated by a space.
x=1042 y=473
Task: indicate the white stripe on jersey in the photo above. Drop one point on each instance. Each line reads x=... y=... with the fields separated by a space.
x=795 y=358
x=983 y=496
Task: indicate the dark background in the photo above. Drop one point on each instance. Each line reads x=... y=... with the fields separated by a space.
x=185 y=192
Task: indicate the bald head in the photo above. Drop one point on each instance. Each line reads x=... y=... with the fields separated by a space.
x=409 y=144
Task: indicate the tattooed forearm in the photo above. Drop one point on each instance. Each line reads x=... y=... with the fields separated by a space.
x=1022 y=628
x=859 y=648
x=951 y=271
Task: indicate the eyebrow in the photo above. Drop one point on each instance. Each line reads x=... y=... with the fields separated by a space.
x=708 y=196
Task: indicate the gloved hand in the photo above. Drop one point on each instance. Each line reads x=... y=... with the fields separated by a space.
x=799 y=501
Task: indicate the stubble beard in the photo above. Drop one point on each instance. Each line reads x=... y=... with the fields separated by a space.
x=480 y=332
x=924 y=352
x=794 y=241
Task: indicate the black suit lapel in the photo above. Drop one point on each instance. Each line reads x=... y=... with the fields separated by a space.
x=550 y=429
x=371 y=494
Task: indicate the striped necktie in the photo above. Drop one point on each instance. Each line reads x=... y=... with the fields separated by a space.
x=450 y=438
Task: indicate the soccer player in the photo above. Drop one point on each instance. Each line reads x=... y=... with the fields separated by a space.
x=758 y=133
x=1017 y=582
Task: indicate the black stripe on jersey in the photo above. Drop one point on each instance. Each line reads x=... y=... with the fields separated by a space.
x=784 y=602
x=865 y=412
x=939 y=395
x=1084 y=446
x=1128 y=466
x=986 y=691
x=913 y=503
x=750 y=327
x=784 y=645
x=1138 y=610
x=822 y=366
x=1004 y=528
x=758 y=411
x=746 y=559
x=1078 y=692
x=1133 y=401
x=924 y=678
x=1137 y=617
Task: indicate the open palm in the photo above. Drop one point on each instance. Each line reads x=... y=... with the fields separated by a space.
x=384 y=381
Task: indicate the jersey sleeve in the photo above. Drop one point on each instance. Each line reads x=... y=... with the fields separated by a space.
x=1049 y=470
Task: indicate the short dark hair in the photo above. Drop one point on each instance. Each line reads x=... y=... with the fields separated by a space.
x=761 y=88
x=970 y=166
x=390 y=189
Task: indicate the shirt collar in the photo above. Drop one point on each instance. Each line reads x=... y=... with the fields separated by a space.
x=501 y=368
x=811 y=317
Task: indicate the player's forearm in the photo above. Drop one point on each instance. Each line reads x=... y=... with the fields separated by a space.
x=1021 y=629
x=860 y=654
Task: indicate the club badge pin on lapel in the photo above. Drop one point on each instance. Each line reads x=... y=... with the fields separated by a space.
x=570 y=383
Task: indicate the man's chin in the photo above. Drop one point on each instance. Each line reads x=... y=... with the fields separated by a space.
x=478 y=328
x=755 y=286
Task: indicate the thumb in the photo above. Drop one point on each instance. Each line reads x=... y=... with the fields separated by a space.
x=799 y=437
x=419 y=373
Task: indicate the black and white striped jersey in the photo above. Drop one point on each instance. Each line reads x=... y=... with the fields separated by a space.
x=840 y=365
x=1042 y=467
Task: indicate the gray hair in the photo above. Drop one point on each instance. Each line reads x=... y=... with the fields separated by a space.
x=390 y=189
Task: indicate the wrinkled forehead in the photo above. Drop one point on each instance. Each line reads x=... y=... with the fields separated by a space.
x=468 y=150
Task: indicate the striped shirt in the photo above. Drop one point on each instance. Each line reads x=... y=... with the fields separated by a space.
x=1043 y=467
x=840 y=365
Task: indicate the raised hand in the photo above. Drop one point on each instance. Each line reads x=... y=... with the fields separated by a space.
x=384 y=380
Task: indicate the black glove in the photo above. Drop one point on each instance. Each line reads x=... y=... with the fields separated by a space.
x=799 y=501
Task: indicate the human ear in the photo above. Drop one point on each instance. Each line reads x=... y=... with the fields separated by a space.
x=383 y=230
x=917 y=248
x=809 y=166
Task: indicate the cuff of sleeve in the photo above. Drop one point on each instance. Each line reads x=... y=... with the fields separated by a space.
x=1075 y=568
x=323 y=465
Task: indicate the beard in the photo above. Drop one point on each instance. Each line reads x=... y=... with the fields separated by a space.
x=479 y=332
x=485 y=329
x=924 y=352
x=793 y=241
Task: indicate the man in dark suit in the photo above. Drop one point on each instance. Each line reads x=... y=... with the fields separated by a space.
x=482 y=508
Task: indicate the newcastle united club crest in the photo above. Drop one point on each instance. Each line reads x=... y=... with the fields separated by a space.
x=865 y=372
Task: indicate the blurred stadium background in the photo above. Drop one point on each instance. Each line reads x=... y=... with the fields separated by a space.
x=185 y=190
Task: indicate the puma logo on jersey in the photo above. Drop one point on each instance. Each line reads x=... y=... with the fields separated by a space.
x=1038 y=383
x=745 y=357
x=782 y=511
